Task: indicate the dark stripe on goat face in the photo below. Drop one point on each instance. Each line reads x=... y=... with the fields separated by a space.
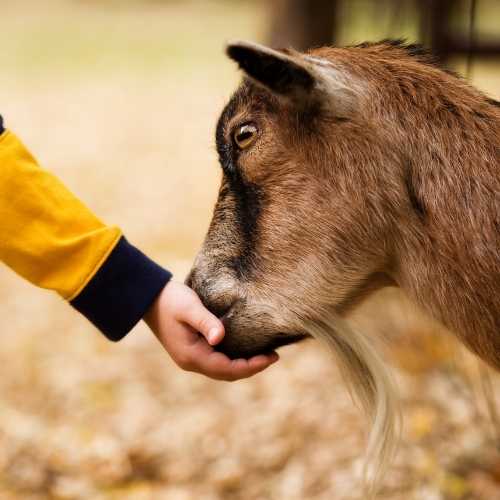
x=249 y=200
x=247 y=197
x=226 y=151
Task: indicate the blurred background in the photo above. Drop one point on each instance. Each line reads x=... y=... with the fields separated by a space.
x=120 y=100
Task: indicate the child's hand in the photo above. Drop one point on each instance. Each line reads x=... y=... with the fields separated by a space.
x=177 y=316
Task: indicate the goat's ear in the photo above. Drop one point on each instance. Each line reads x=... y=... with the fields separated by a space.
x=293 y=76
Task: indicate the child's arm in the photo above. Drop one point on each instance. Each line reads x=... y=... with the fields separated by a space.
x=53 y=240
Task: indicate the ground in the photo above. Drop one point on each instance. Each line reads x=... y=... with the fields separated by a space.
x=121 y=101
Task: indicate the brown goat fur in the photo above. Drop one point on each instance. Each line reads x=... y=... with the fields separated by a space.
x=348 y=169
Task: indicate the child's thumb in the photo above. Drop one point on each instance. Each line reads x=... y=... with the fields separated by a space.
x=207 y=324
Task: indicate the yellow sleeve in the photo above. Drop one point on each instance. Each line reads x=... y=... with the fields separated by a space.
x=46 y=234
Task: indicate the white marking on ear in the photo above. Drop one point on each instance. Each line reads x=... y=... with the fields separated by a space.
x=338 y=99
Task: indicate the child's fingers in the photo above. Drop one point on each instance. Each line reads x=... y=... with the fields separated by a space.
x=183 y=315
x=237 y=369
x=204 y=322
x=218 y=366
x=213 y=332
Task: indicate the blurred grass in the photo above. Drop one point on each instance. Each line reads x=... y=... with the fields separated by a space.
x=71 y=37
x=120 y=100
x=124 y=82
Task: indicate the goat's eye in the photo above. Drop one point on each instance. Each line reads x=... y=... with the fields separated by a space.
x=245 y=135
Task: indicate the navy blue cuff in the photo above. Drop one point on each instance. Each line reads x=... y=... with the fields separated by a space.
x=121 y=291
x=2 y=130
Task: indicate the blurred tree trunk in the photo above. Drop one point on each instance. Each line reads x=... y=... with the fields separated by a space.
x=434 y=15
x=303 y=24
x=436 y=33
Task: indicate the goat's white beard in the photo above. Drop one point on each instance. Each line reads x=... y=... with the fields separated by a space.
x=370 y=382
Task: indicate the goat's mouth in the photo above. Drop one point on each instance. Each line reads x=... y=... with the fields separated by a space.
x=252 y=329
x=235 y=347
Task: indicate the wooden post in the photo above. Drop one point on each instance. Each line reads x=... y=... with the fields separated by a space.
x=434 y=25
x=302 y=24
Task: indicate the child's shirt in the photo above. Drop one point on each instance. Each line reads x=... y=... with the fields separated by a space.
x=53 y=240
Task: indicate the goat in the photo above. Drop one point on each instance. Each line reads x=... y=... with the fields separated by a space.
x=345 y=170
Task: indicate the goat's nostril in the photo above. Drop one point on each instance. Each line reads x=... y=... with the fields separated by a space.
x=224 y=314
x=229 y=311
